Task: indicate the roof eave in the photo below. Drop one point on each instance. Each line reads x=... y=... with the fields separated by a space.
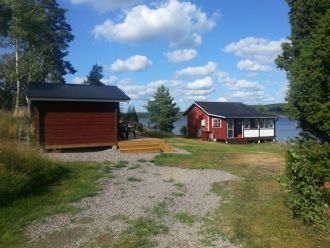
x=75 y=99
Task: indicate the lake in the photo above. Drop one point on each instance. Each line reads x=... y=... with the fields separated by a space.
x=285 y=128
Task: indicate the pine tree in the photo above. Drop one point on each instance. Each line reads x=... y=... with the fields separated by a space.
x=95 y=75
x=163 y=111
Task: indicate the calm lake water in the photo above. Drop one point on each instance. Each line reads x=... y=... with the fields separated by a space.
x=285 y=128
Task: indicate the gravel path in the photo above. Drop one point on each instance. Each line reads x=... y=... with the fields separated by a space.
x=134 y=192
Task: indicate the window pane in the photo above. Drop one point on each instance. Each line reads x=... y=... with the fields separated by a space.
x=271 y=123
x=261 y=121
x=246 y=123
x=230 y=133
x=230 y=123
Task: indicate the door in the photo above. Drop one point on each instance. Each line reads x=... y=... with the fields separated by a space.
x=238 y=128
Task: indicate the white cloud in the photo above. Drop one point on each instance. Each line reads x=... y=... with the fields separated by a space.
x=179 y=23
x=207 y=69
x=252 y=66
x=78 y=80
x=238 y=84
x=204 y=83
x=181 y=55
x=106 y=5
x=259 y=49
x=252 y=96
x=222 y=99
x=134 y=63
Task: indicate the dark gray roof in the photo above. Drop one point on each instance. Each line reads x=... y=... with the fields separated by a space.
x=229 y=110
x=75 y=92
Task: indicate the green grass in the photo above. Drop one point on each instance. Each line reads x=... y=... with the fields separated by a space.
x=138 y=234
x=185 y=218
x=79 y=182
x=253 y=211
x=121 y=164
x=134 y=179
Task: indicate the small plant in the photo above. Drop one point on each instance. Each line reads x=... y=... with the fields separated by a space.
x=171 y=180
x=121 y=164
x=183 y=131
x=185 y=218
x=160 y=209
x=142 y=160
x=134 y=179
x=178 y=194
x=135 y=166
x=179 y=185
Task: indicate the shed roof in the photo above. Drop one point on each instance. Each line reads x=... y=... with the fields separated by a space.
x=75 y=92
x=229 y=110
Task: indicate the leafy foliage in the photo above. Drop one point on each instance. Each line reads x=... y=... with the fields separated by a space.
x=307 y=169
x=306 y=60
x=163 y=111
x=38 y=35
x=183 y=131
x=95 y=75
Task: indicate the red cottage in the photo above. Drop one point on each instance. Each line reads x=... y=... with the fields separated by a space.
x=69 y=115
x=229 y=121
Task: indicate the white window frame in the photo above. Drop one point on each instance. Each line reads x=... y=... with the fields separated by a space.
x=213 y=122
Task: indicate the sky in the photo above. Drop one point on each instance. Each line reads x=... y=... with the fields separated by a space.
x=202 y=50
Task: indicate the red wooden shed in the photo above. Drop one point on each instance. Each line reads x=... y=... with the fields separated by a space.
x=70 y=115
x=229 y=121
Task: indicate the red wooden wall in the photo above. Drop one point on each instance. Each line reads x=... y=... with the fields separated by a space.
x=76 y=124
x=196 y=115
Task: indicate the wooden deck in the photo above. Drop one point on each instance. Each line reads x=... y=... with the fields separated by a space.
x=144 y=145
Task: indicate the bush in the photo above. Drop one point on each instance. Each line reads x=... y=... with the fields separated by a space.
x=183 y=130
x=140 y=127
x=307 y=168
x=157 y=134
x=24 y=171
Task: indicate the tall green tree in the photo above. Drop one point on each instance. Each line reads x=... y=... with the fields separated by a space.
x=163 y=111
x=95 y=76
x=39 y=37
x=306 y=59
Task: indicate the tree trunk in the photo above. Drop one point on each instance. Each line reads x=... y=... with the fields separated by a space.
x=18 y=85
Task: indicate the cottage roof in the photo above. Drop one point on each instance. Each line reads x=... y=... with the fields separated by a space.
x=229 y=110
x=75 y=92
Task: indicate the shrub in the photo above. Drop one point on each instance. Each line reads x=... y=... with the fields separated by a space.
x=140 y=127
x=157 y=134
x=183 y=130
x=24 y=171
x=306 y=171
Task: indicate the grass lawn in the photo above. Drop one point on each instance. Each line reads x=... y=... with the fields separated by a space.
x=78 y=182
x=253 y=212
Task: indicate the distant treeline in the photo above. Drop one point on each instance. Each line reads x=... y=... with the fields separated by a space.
x=275 y=108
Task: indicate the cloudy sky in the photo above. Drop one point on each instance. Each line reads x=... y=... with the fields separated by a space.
x=214 y=50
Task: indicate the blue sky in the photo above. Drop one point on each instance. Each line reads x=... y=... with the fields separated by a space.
x=214 y=50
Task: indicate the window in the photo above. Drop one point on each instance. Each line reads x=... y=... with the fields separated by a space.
x=247 y=123
x=266 y=123
x=216 y=122
x=230 y=128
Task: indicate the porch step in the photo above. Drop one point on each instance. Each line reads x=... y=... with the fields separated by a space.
x=147 y=145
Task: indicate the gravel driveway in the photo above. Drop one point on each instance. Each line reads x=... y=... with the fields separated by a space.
x=177 y=198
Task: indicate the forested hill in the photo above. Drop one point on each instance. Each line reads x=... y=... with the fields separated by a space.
x=276 y=109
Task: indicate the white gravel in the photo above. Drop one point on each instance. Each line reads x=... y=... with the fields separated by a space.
x=183 y=191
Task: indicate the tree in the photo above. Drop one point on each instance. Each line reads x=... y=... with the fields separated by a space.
x=306 y=59
x=163 y=111
x=261 y=108
x=39 y=36
x=95 y=76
